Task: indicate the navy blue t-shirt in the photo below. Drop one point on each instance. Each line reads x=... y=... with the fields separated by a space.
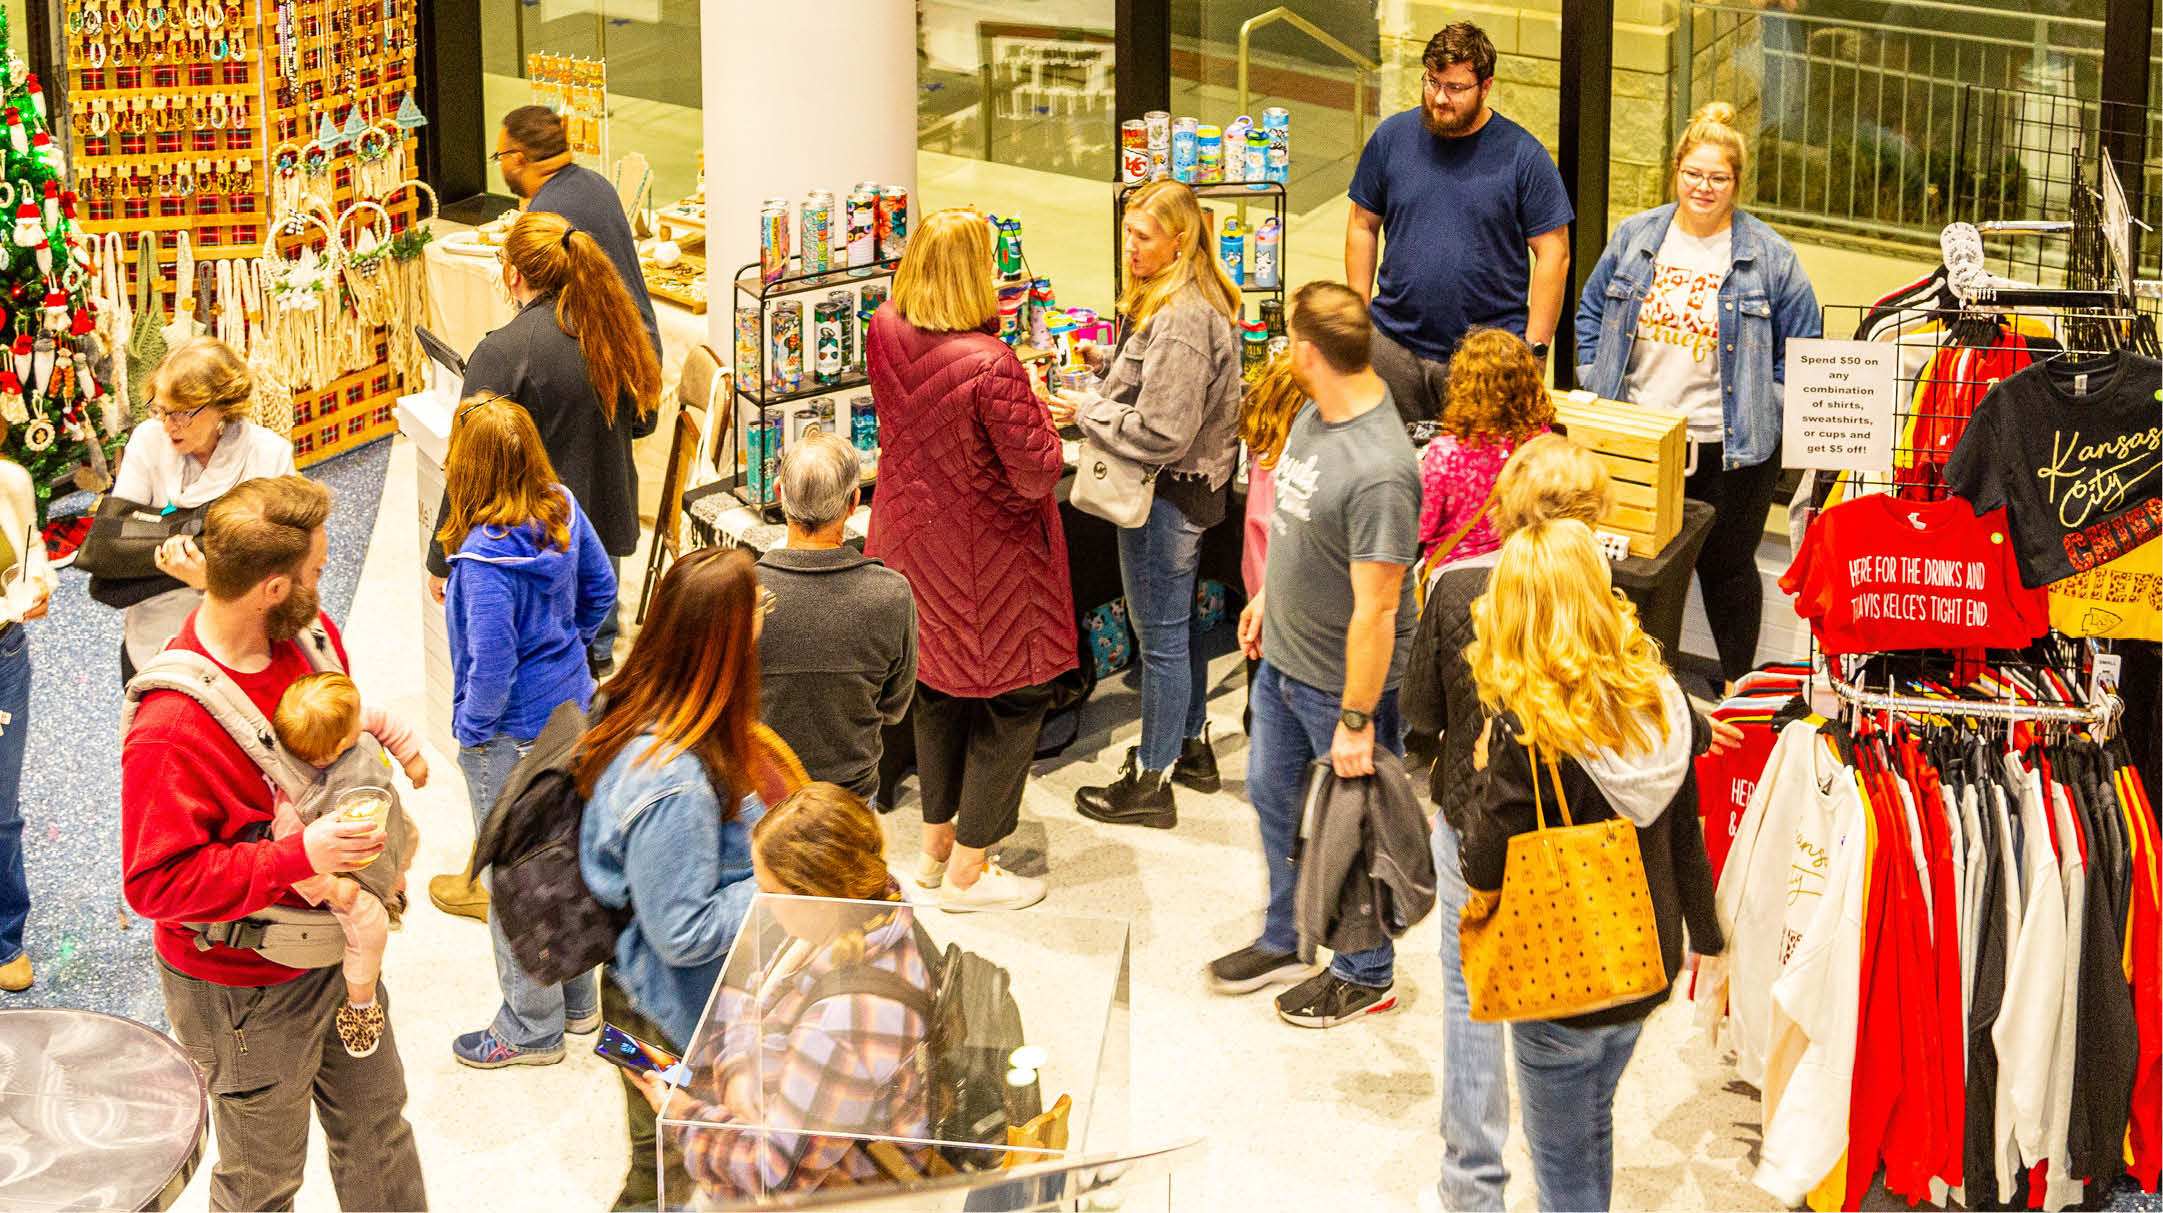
x=1456 y=214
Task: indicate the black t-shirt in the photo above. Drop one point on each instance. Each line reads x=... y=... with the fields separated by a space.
x=2074 y=452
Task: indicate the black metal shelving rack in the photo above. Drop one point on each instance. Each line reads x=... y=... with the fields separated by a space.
x=1246 y=193
x=751 y=289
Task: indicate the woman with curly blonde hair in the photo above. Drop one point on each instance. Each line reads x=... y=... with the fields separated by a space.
x=1497 y=401
x=1584 y=704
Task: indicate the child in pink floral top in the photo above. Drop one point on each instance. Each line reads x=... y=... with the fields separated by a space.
x=1496 y=402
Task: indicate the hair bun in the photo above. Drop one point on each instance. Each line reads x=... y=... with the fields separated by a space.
x=1720 y=113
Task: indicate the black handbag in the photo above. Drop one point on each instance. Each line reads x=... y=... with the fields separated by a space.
x=124 y=592
x=125 y=537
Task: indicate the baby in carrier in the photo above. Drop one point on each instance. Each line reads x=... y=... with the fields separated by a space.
x=320 y=720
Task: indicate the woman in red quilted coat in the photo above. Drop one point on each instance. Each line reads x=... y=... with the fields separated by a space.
x=968 y=461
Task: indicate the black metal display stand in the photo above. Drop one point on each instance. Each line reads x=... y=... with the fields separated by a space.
x=1269 y=194
x=755 y=389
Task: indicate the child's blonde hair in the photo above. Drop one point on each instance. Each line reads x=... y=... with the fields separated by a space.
x=1267 y=412
x=316 y=715
x=1547 y=478
x=1555 y=644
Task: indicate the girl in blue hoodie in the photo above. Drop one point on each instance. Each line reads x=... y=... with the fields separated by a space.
x=529 y=587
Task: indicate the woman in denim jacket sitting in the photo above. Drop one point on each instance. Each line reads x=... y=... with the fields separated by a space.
x=1691 y=307
x=676 y=772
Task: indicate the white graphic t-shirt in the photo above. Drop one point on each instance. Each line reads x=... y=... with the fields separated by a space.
x=1675 y=360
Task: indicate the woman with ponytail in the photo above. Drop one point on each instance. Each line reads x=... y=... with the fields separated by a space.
x=1691 y=307
x=1169 y=400
x=576 y=357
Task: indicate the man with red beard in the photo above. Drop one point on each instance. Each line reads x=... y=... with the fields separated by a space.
x=196 y=848
x=1463 y=195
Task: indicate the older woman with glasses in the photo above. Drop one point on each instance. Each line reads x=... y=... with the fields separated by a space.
x=196 y=444
x=1691 y=307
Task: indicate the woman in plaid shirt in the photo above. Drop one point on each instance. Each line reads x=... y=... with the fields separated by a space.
x=816 y=1052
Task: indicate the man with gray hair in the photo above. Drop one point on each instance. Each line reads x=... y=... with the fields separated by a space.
x=838 y=650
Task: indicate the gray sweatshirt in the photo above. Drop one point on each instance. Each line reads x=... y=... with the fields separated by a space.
x=1171 y=393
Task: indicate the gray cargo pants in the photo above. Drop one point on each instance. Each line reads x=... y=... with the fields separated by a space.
x=270 y=1052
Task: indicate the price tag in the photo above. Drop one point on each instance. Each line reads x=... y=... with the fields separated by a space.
x=1838 y=411
x=2103 y=679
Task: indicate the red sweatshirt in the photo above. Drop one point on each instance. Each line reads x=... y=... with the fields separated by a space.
x=186 y=794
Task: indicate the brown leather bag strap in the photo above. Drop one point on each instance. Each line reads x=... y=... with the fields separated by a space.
x=1450 y=544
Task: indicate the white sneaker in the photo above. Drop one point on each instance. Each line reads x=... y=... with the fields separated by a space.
x=929 y=872
x=996 y=889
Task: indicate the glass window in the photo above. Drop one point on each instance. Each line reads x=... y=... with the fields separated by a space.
x=653 y=85
x=1017 y=118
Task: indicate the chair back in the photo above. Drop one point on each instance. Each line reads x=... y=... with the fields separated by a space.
x=703 y=381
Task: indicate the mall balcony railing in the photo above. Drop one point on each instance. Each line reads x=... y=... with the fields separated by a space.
x=1882 y=120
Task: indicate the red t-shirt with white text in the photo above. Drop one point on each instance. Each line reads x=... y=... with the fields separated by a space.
x=1879 y=573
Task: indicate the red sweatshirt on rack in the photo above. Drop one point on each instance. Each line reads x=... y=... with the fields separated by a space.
x=1950 y=1026
x=188 y=795
x=2143 y=962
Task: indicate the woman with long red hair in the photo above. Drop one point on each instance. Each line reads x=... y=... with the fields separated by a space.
x=676 y=771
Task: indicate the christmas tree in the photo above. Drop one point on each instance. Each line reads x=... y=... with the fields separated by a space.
x=50 y=397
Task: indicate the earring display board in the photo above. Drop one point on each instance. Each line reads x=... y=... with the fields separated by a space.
x=577 y=89
x=270 y=143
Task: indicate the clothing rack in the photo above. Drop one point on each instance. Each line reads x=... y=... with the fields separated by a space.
x=1873 y=701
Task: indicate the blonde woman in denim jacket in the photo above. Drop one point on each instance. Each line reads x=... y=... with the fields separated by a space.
x=1692 y=306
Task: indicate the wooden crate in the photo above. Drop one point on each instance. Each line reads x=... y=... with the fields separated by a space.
x=1645 y=449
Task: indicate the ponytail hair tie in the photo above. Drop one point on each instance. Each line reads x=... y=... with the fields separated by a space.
x=567 y=233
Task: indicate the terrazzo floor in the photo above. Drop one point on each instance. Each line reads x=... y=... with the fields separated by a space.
x=1294 y=1120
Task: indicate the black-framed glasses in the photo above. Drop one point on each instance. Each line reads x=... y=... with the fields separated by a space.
x=1433 y=84
x=496 y=157
x=169 y=416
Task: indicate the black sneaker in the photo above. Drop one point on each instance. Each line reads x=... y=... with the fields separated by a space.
x=1197 y=765
x=1137 y=798
x=1251 y=968
x=1326 y=1000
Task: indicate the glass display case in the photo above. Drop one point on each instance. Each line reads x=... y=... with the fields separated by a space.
x=871 y=1048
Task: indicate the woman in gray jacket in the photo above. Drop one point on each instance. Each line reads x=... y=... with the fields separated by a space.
x=1169 y=399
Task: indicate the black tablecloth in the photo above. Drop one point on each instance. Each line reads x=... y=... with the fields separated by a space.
x=1660 y=585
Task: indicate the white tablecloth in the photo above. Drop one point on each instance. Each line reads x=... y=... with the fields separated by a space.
x=465 y=305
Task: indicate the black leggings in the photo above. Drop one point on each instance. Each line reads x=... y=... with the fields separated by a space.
x=1727 y=565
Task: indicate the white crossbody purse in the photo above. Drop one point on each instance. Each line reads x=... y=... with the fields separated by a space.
x=1113 y=487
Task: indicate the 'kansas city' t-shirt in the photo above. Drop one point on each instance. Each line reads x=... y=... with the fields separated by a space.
x=1879 y=573
x=2073 y=452
x=1675 y=360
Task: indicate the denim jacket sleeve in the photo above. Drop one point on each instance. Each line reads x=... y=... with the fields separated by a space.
x=1592 y=307
x=1795 y=313
x=688 y=907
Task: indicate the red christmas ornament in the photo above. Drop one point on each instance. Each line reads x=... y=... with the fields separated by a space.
x=83 y=324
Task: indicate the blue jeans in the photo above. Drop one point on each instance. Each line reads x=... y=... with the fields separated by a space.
x=1566 y=1078
x=604 y=639
x=1158 y=561
x=1475 y=1089
x=1293 y=725
x=14 y=731
x=532 y=1014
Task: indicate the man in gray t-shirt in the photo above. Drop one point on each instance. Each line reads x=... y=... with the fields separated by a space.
x=1332 y=628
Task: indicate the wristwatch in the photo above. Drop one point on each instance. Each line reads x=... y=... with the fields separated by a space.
x=1539 y=350
x=1354 y=719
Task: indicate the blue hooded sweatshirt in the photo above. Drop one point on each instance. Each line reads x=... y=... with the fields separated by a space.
x=520 y=615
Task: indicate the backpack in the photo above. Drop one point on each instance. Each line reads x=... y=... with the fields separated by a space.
x=288 y=935
x=973 y=1026
x=555 y=926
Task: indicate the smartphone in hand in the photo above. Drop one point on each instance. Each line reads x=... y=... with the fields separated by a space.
x=631 y=1053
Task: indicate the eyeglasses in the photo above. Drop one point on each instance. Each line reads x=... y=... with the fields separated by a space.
x=175 y=416
x=497 y=156
x=1434 y=84
x=1717 y=181
x=766 y=602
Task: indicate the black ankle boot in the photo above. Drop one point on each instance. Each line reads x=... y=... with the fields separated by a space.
x=1137 y=798
x=1197 y=765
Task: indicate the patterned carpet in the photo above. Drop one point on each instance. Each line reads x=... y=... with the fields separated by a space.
x=88 y=949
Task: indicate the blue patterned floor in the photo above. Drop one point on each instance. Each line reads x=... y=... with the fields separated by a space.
x=87 y=948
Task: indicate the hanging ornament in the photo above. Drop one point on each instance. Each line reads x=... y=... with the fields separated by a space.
x=56 y=312
x=42 y=354
x=21 y=354
x=39 y=435
x=409 y=114
x=329 y=135
x=11 y=399
x=354 y=125
x=46 y=150
x=84 y=323
x=67 y=203
x=52 y=203
x=17 y=139
x=37 y=97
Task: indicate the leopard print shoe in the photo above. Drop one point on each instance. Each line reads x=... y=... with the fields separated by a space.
x=360 y=1029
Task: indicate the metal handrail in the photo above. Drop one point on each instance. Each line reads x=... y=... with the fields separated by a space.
x=1362 y=62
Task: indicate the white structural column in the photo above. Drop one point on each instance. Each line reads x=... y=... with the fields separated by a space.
x=799 y=95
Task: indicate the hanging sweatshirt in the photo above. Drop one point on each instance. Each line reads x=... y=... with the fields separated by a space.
x=2061 y=1188
x=1817 y=1003
x=1773 y=880
x=2143 y=966
x=2026 y=1034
